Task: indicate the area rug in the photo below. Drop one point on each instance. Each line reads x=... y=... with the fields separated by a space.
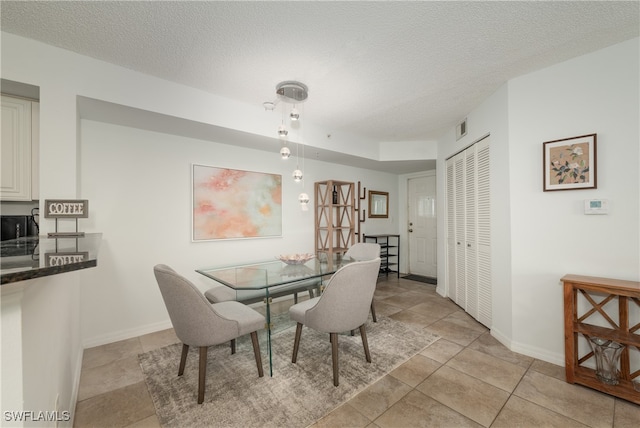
x=420 y=278
x=297 y=394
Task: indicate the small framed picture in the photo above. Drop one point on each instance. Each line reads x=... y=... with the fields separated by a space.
x=570 y=163
x=378 y=204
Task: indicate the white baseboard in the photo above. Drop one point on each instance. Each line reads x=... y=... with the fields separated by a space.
x=116 y=336
x=528 y=350
x=539 y=353
x=126 y=334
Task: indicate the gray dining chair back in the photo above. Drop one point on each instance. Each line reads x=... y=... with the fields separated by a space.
x=199 y=323
x=363 y=251
x=343 y=306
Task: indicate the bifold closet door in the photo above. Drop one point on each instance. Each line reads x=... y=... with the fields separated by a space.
x=450 y=277
x=468 y=231
x=460 y=236
x=483 y=214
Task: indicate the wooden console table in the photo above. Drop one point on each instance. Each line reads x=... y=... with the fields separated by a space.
x=627 y=294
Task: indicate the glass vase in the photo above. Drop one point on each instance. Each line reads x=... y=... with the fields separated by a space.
x=607 y=354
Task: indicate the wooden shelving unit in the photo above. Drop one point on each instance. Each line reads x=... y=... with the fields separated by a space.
x=335 y=220
x=389 y=252
x=601 y=292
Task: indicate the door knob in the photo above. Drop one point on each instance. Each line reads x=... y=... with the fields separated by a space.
x=410 y=230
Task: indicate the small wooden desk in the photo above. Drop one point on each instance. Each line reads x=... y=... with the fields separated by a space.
x=627 y=294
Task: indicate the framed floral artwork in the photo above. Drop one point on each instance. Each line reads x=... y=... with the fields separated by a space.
x=570 y=163
x=235 y=204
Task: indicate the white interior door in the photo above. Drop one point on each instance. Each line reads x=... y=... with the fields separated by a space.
x=422 y=226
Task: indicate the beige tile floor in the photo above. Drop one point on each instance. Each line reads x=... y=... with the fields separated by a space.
x=465 y=379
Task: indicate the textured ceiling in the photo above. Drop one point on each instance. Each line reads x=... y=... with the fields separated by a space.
x=389 y=71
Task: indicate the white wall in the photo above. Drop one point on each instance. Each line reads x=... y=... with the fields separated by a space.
x=138 y=184
x=551 y=236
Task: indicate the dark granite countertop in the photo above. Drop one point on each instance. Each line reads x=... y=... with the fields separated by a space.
x=37 y=256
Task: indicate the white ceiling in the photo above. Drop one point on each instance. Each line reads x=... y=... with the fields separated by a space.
x=388 y=71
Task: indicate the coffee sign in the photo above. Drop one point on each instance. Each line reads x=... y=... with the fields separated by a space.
x=62 y=259
x=66 y=208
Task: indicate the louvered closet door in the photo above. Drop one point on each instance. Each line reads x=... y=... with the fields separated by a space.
x=459 y=208
x=471 y=231
x=484 y=233
x=451 y=232
x=468 y=231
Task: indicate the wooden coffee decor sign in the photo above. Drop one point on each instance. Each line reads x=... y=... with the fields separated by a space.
x=66 y=208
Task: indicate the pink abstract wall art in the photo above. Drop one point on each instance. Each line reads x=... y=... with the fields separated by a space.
x=234 y=204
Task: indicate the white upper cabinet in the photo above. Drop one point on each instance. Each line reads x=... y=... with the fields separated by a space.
x=19 y=151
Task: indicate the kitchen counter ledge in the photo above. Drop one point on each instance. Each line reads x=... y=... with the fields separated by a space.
x=37 y=256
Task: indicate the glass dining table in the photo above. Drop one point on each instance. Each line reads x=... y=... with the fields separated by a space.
x=264 y=281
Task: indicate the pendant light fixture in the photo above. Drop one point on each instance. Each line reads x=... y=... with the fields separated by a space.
x=293 y=93
x=285 y=153
x=294 y=115
x=303 y=198
x=304 y=201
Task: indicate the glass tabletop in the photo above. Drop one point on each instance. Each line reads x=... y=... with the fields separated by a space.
x=261 y=275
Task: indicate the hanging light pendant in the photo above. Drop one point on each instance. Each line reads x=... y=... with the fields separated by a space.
x=304 y=201
x=294 y=115
x=297 y=175
x=285 y=153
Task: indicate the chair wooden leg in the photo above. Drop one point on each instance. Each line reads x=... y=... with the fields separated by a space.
x=295 y=298
x=363 y=334
x=183 y=359
x=311 y=295
x=202 y=373
x=233 y=346
x=353 y=332
x=334 y=357
x=256 y=352
x=373 y=312
x=296 y=342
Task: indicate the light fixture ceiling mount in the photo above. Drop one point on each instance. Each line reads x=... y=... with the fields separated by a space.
x=292 y=92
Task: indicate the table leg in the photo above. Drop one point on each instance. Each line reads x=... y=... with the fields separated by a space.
x=268 y=317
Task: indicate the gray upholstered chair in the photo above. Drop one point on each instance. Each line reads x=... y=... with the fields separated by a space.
x=343 y=306
x=199 y=323
x=365 y=251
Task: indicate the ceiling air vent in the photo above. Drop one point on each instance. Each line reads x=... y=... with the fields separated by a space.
x=461 y=129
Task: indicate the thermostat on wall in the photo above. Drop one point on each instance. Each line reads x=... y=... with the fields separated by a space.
x=596 y=206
